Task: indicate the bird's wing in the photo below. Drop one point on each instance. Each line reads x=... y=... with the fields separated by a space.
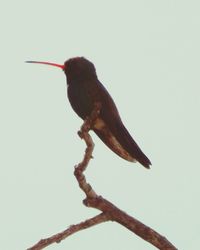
x=118 y=139
x=105 y=134
x=113 y=133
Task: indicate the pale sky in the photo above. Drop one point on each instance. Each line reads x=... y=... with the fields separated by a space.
x=146 y=54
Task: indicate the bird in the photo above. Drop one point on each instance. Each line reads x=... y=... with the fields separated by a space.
x=84 y=90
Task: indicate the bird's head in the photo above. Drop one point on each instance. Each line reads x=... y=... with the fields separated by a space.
x=77 y=68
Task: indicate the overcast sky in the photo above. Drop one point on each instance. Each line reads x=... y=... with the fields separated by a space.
x=146 y=54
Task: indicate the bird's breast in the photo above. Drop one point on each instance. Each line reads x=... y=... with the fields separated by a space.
x=80 y=100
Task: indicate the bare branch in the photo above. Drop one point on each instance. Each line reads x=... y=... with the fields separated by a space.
x=134 y=225
x=107 y=207
x=109 y=211
x=71 y=230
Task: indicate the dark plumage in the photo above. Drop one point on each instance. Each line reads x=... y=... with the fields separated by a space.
x=84 y=89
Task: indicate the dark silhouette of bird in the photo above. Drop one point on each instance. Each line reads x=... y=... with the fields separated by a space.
x=84 y=90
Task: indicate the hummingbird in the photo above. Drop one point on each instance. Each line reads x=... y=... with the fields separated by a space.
x=84 y=90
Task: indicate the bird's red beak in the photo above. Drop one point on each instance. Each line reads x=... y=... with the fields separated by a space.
x=48 y=63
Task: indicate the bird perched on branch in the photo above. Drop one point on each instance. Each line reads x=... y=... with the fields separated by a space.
x=84 y=90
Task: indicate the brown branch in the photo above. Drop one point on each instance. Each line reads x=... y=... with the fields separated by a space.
x=69 y=231
x=109 y=211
